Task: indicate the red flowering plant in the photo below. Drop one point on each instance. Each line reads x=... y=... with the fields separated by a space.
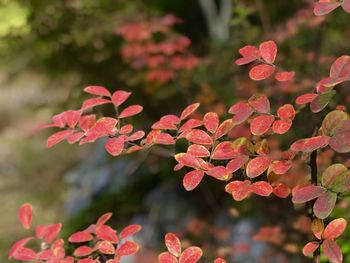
x=248 y=165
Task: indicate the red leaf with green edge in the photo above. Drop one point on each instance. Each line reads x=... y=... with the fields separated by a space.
x=25 y=215
x=242 y=112
x=268 y=51
x=93 y=102
x=280 y=167
x=166 y=257
x=332 y=251
x=130 y=111
x=199 y=137
x=191 y=255
x=257 y=166
x=106 y=233
x=305 y=98
x=238 y=189
x=281 y=126
x=190 y=124
x=188 y=160
x=333 y=122
x=87 y=121
x=331 y=173
x=341 y=182
x=192 y=179
x=346 y=6
x=189 y=110
x=136 y=136
x=119 y=97
x=237 y=163
x=260 y=72
x=130 y=230
x=105 y=247
x=324 y=204
x=261 y=124
x=198 y=150
x=310 y=144
x=115 y=146
x=220 y=173
x=281 y=190
x=310 y=248
x=307 y=193
x=321 y=101
x=335 y=229
x=97 y=90
x=317 y=228
x=286 y=112
x=103 y=219
x=211 y=121
x=128 y=248
x=341 y=67
x=17 y=246
x=80 y=237
x=224 y=128
x=261 y=188
x=249 y=54
x=82 y=251
x=164 y=138
x=284 y=76
x=220 y=260
x=324 y=8
x=260 y=103
x=173 y=244
x=57 y=137
x=340 y=142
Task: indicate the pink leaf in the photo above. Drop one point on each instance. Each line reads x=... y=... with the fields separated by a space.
x=310 y=144
x=105 y=247
x=90 y=103
x=192 y=179
x=261 y=188
x=268 y=51
x=191 y=255
x=190 y=124
x=82 y=251
x=307 y=193
x=286 y=112
x=130 y=230
x=335 y=228
x=97 y=90
x=242 y=112
x=25 y=215
x=257 y=166
x=249 y=53
x=261 y=124
x=106 y=233
x=103 y=219
x=281 y=126
x=127 y=248
x=306 y=98
x=260 y=72
x=119 y=97
x=115 y=146
x=211 y=121
x=57 y=137
x=220 y=173
x=173 y=244
x=281 y=167
x=164 y=138
x=310 y=248
x=130 y=111
x=80 y=237
x=260 y=103
x=239 y=190
x=281 y=190
x=346 y=6
x=166 y=257
x=237 y=163
x=332 y=251
x=341 y=67
x=284 y=76
x=189 y=110
x=324 y=204
x=199 y=137
x=186 y=159
x=17 y=246
x=323 y=8
x=198 y=150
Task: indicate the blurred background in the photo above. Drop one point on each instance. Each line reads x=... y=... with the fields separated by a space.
x=169 y=54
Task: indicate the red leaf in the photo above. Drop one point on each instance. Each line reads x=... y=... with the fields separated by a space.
x=190 y=124
x=284 y=76
x=130 y=111
x=80 y=237
x=17 y=246
x=119 y=97
x=225 y=150
x=130 y=230
x=237 y=163
x=189 y=110
x=103 y=127
x=105 y=247
x=281 y=190
x=261 y=124
x=340 y=142
x=87 y=121
x=239 y=190
x=306 y=98
x=90 y=103
x=332 y=251
x=310 y=248
x=136 y=136
x=257 y=166
x=103 y=219
x=346 y=6
x=281 y=126
x=128 y=248
x=106 y=233
x=307 y=193
x=166 y=257
x=261 y=72
x=335 y=228
x=186 y=159
x=324 y=204
x=198 y=150
x=24 y=254
x=249 y=53
x=164 y=138
x=224 y=128
x=220 y=260
x=199 y=137
x=286 y=112
x=261 y=188
x=51 y=232
x=211 y=121
x=173 y=244
x=323 y=8
x=242 y=112
x=192 y=179
x=82 y=251
x=57 y=137
x=341 y=67
x=260 y=103
x=280 y=167
x=126 y=129
x=74 y=137
x=321 y=101
x=25 y=215
x=310 y=144
x=115 y=146
x=97 y=90
x=191 y=255
x=220 y=173
x=268 y=51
